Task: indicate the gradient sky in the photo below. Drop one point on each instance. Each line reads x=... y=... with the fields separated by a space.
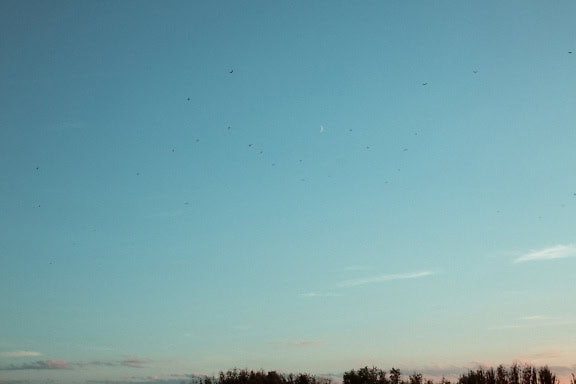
x=303 y=186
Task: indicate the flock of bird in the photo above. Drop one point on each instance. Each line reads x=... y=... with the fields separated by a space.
x=261 y=151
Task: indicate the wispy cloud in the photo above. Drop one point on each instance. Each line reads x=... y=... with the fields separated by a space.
x=550 y=253
x=37 y=365
x=304 y=343
x=544 y=355
x=318 y=294
x=101 y=363
x=10 y=381
x=537 y=321
x=535 y=317
x=20 y=354
x=135 y=362
x=383 y=278
x=127 y=361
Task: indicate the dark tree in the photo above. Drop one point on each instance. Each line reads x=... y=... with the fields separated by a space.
x=365 y=376
x=526 y=375
x=415 y=378
x=501 y=375
x=514 y=374
x=395 y=376
x=490 y=376
x=545 y=376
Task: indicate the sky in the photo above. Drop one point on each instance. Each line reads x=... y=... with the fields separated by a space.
x=302 y=186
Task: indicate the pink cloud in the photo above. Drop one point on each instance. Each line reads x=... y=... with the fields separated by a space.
x=57 y=364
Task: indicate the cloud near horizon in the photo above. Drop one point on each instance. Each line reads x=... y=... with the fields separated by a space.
x=37 y=365
x=556 y=252
x=135 y=362
x=20 y=354
x=383 y=278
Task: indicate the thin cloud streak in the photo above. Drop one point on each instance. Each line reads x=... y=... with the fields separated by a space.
x=38 y=365
x=536 y=317
x=304 y=343
x=20 y=354
x=135 y=362
x=383 y=278
x=318 y=294
x=531 y=324
x=556 y=252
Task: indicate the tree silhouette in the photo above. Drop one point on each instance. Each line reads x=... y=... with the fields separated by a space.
x=365 y=376
x=415 y=378
x=545 y=376
x=244 y=376
x=515 y=374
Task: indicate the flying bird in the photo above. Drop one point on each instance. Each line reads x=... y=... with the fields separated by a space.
x=231 y=71
x=424 y=83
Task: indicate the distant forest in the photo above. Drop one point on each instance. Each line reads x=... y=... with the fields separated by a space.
x=515 y=374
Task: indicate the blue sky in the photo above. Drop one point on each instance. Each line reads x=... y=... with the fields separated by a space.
x=301 y=186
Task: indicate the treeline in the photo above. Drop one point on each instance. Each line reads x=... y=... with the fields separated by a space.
x=515 y=374
x=244 y=376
